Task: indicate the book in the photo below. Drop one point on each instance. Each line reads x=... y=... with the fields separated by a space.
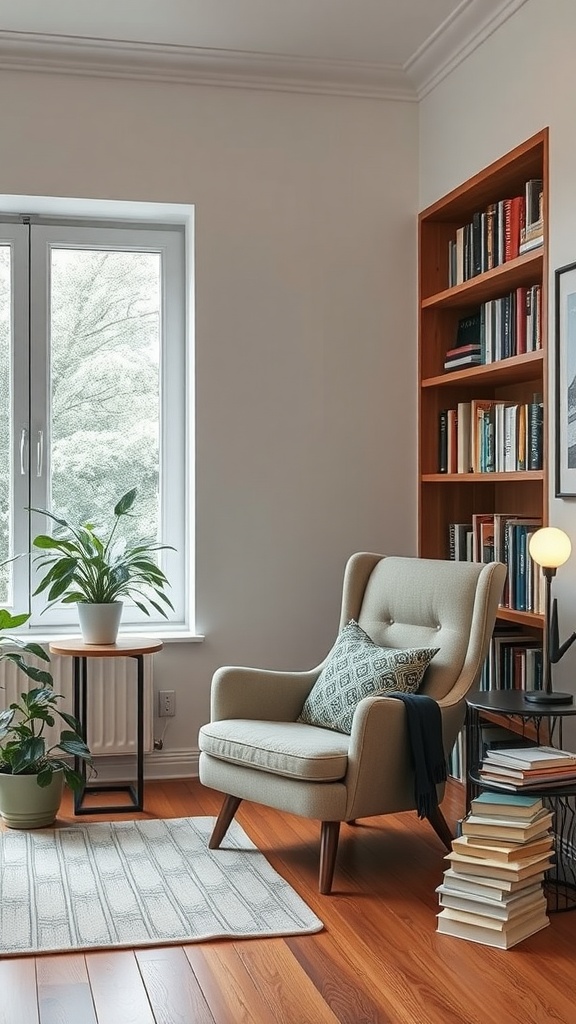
x=478 y=520
x=534 y=231
x=489 y=937
x=498 y=911
x=533 y=196
x=452 y=429
x=462 y=361
x=458 y=534
x=514 y=210
x=565 y=771
x=496 y=924
x=491 y=895
x=516 y=830
x=532 y=757
x=492 y=888
x=468 y=330
x=487 y=849
x=462 y=350
x=496 y=805
x=464 y=457
x=527 y=784
x=487 y=541
x=513 y=870
x=477 y=409
x=443 y=441
x=476 y=247
x=533 y=243
x=535 y=432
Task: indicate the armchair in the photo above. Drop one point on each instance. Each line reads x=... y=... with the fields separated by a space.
x=254 y=748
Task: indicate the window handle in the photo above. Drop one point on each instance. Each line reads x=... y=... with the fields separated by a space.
x=23 y=451
x=39 y=452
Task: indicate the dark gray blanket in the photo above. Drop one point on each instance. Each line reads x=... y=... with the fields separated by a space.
x=425 y=733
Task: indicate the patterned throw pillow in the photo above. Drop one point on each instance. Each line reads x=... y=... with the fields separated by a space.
x=358 y=668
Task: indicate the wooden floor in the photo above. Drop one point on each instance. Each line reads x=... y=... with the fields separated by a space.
x=379 y=959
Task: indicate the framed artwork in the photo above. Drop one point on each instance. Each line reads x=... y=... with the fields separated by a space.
x=565 y=301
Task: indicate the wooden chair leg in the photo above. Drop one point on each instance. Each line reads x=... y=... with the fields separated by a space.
x=440 y=826
x=328 y=849
x=227 y=812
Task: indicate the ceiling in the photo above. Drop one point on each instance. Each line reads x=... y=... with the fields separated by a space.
x=368 y=47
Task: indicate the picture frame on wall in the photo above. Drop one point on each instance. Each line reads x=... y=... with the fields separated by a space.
x=565 y=312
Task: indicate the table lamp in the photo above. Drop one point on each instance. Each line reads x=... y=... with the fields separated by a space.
x=550 y=548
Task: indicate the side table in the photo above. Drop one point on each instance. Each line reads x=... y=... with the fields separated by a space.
x=560 y=884
x=125 y=647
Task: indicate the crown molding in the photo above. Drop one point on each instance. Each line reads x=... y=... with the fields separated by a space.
x=75 y=55
x=456 y=38
x=462 y=33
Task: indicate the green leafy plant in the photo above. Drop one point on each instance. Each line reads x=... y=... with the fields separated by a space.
x=23 y=747
x=92 y=569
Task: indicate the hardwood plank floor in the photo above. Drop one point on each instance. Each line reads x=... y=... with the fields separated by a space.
x=378 y=961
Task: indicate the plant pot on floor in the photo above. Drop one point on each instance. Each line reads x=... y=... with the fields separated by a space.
x=99 y=623
x=25 y=804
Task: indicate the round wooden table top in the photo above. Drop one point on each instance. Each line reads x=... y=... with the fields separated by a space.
x=125 y=646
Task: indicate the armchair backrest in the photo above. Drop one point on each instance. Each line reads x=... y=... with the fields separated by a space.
x=422 y=602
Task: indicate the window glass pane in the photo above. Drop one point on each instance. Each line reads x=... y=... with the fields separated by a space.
x=105 y=335
x=5 y=420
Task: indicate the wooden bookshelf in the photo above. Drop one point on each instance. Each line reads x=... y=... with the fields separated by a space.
x=445 y=498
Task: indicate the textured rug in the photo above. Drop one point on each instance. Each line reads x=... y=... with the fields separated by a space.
x=139 y=883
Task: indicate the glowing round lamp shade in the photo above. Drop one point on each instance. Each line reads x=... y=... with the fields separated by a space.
x=550 y=547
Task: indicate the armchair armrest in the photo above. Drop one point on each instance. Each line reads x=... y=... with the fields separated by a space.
x=380 y=777
x=259 y=693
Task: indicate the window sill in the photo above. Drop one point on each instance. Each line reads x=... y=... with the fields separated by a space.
x=167 y=636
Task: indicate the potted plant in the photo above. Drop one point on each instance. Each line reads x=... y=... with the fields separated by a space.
x=95 y=571
x=33 y=774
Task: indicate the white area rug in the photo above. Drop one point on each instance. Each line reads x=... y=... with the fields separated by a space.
x=139 y=883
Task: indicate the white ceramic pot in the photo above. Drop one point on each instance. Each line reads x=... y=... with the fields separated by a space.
x=25 y=804
x=99 y=623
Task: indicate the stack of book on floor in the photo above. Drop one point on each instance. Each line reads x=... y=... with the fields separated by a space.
x=492 y=892
x=525 y=768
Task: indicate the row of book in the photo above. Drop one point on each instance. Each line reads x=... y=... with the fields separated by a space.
x=493 y=893
x=514 y=661
x=490 y=436
x=501 y=232
x=501 y=328
x=528 y=768
x=501 y=537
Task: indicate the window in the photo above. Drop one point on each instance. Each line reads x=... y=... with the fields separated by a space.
x=92 y=391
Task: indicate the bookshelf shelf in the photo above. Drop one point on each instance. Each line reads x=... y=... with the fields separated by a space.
x=525 y=367
x=476 y=478
x=532 y=619
x=524 y=270
x=461 y=238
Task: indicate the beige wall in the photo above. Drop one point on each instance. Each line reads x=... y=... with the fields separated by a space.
x=306 y=313
x=519 y=81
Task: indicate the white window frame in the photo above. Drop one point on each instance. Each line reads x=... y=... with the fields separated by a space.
x=16 y=236
x=168 y=231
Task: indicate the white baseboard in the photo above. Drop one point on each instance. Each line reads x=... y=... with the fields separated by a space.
x=158 y=764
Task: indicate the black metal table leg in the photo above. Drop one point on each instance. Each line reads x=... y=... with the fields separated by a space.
x=136 y=793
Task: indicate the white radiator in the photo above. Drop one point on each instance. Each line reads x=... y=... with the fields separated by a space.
x=111 y=699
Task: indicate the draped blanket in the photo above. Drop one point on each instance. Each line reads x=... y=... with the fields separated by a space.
x=428 y=758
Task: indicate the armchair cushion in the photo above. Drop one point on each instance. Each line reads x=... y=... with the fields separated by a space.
x=283 y=748
x=356 y=668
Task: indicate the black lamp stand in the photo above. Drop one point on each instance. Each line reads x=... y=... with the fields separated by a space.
x=552 y=650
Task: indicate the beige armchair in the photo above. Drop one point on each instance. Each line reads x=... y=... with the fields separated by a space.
x=253 y=748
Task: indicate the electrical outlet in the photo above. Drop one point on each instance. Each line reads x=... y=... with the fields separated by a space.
x=166 y=703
